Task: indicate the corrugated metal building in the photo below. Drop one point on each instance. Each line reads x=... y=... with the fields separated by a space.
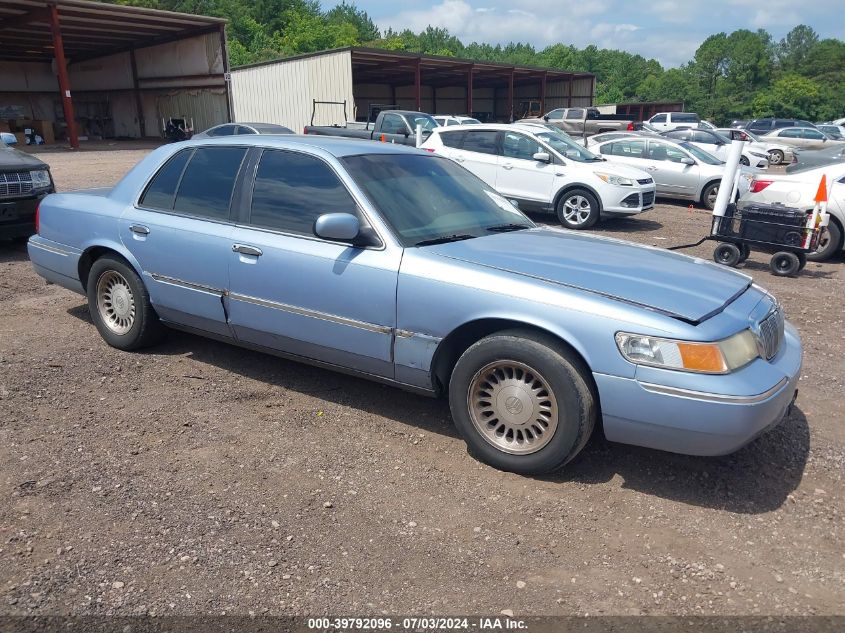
x=113 y=70
x=284 y=91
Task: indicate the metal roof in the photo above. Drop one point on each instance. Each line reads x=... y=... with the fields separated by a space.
x=90 y=29
x=378 y=65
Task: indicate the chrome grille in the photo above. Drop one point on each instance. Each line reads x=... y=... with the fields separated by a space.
x=15 y=183
x=771 y=332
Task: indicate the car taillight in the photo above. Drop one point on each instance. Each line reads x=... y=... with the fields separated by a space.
x=758 y=185
x=428 y=149
x=38 y=217
x=630 y=127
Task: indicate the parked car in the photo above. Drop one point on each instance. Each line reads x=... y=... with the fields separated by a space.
x=596 y=139
x=446 y=120
x=800 y=137
x=798 y=190
x=777 y=152
x=739 y=123
x=392 y=126
x=719 y=146
x=679 y=169
x=764 y=126
x=407 y=269
x=665 y=121
x=24 y=181
x=587 y=121
x=234 y=129
x=545 y=170
x=816 y=158
x=836 y=132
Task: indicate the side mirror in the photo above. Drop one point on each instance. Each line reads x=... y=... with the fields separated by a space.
x=686 y=160
x=542 y=157
x=8 y=138
x=546 y=117
x=340 y=227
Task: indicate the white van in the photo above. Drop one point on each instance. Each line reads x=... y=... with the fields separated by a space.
x=664 y=121
x=543 y=169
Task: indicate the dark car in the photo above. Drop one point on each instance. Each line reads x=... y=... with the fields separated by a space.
x=24 y=180
x=764 y=126
x=233 y=129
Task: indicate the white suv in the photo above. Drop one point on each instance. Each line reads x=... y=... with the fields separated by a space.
x=543 y=169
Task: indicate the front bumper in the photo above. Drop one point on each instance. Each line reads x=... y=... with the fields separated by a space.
x=708 y=421
x=629 y=201
x=17 y=217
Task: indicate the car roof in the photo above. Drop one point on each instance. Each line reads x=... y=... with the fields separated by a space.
x=334 y=145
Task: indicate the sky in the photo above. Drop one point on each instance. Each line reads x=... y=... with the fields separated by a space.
x=667 y=30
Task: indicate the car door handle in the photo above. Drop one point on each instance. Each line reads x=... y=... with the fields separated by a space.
x=652 y=168
x=140 y=229
x=507 y=166
x=243 y=249
x=458 y=159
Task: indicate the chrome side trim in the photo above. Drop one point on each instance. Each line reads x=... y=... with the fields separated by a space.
x=713 y=397
x=50 y=249
x=410 y=334
x=173 y=281
x=370 y=327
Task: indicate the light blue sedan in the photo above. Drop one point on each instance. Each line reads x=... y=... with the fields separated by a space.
x=400 y=266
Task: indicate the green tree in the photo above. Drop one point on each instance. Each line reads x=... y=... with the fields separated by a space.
x=794 y=50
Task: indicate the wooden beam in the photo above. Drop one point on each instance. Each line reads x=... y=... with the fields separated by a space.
x=469 y=90
x=417 y=86
x=510 y=97
x=139 y=104
x=64 y=81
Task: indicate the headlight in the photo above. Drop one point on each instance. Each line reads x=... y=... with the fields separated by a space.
x=40 y=178
x=721 y=357
x=758 y=155
x=616 y=180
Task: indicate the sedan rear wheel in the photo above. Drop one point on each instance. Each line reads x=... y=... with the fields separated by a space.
x=578 y=209
x=830 y=242
x=522 y=402
x=709 y=195
x=775 y=157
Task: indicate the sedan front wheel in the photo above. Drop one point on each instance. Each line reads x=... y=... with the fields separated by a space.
x=522 y=402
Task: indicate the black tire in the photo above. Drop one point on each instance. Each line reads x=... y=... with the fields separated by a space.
x=776 y=157
x=145 y=328
x=727 y=255
x=744 y=161
x=746 y=252
x=573 y=199
x=785 y=264
x=708 y=195
x=829 y=245
x=568 y=382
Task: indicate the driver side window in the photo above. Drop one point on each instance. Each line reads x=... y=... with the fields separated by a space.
x=393 y=124
x=519 y=146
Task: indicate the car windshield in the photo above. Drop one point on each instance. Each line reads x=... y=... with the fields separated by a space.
x=428 y=123
x=701 y=155
x=428 y=199
x=566 y=147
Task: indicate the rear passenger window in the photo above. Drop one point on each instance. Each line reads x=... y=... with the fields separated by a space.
x=658 y=118
x=162 y=188
x=452 y=139
x=208 y=182
x=292 y=190
x=481 y=141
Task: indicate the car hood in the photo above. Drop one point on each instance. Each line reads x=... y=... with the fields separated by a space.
x=683 y=287
x=15 y=160
x=619 y=169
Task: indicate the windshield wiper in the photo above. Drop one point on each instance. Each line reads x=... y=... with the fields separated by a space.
x=504 y=228
x=444 y=240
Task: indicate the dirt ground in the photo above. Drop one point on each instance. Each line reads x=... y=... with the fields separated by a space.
x=199 y=478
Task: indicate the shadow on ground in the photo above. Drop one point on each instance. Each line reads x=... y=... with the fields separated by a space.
x=754 y=480
x=12 y=251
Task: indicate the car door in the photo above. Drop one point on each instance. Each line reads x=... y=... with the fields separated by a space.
x=709 y=143
x=294 y=292
x=813 y=139
x=791 y=136
x=658 y=121
x=522 y=177
x=574 y=121
x=479 y=153
x=672 y=177
x=180 y=234
x=394 y=128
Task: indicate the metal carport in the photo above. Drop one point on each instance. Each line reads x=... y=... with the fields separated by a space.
x=40 y=40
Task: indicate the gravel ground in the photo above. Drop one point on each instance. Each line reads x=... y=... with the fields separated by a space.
x=199 y=478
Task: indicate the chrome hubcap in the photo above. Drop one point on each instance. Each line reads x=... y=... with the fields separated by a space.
x=713 y=195
x=774 y=157
x=513 y=407
x=576 y=209
x=115 y=302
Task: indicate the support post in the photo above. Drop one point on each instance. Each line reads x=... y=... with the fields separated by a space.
x=64 y=82
x=571 y=89
x=417 y=86
x=469 y=89
x=510 y=97
x=543 y=94
x=224 y=51
x=139 y=105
